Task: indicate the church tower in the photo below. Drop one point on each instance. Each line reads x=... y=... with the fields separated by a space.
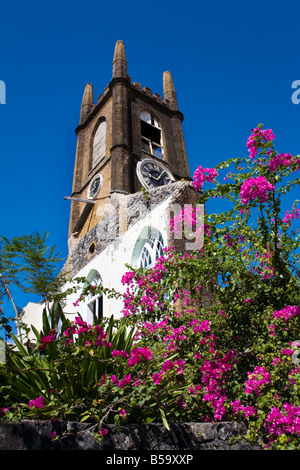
x=127 y=125
x=130 y=166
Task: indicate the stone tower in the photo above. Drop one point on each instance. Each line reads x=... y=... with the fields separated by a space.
x=130 y=166
x=126 y=125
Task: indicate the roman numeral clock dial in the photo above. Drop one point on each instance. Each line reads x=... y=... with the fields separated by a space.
x=153 y=174
x=95 y=186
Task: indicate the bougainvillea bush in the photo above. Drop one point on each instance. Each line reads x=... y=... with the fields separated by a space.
x=207 y=335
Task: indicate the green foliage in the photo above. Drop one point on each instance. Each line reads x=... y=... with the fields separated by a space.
x=65 y=372
x=208 y=335
x=4 y=323
x=31 y=265
x=28 y=264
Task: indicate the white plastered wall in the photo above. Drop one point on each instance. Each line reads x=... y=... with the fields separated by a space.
x=111 y=265
x=111 y=262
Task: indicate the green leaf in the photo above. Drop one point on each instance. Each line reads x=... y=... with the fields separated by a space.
x=164 y=419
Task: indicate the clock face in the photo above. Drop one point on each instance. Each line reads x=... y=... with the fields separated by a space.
x=153 y=174
x=95 y=186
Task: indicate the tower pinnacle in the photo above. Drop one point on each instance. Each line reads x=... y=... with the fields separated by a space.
x=119 y=61
x=169 y=90
x=87 y=103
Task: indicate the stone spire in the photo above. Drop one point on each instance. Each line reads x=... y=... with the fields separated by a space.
x=119 y=62
x=87 y=104
x=169 y=91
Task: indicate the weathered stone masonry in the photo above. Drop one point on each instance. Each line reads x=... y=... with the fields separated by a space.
x=36 y=435
x=136 y=205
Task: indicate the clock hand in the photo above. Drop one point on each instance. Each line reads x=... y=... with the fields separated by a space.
x=155 y=178
x=163 y=175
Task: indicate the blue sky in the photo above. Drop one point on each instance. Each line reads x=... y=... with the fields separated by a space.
x=233 y=64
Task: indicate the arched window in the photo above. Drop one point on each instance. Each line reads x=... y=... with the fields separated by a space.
x=94 y=302
x=151 y=135
x=99 y=145
x=149 y=247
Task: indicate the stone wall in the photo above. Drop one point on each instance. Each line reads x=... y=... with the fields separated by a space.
x=38 y=435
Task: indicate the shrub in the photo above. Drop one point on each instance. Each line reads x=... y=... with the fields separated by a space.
x=207 y=335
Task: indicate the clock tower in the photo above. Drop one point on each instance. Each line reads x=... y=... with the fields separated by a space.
x=130 y=167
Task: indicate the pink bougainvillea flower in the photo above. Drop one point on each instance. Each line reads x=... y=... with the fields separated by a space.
x=200 y=176
x=255 y=188
x=3 y=411
x=137 y=354
x=37 y=402
x=125 y=381
x=128 y=277
x=289 y=216
x=47 y=339
x=287 y=312
x=287 y=352
x=282 y=422
x=157 y=378
x=116 y=353
x=245 y=410
x=257 y=379
x=284 y=160
x=256 y=138
x=167 y=365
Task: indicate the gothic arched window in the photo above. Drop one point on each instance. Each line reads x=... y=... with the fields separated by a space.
x=149 y=247
x=151 y=135
x=99 y=144
x=94 y=302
